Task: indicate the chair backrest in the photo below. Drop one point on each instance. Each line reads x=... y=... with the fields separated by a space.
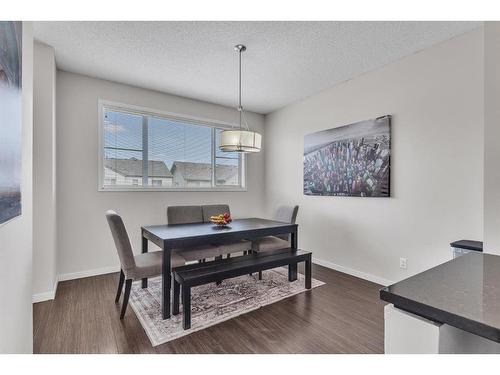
x=287 y=214
x=214 y=209
x=184 y=214
x=122 y=242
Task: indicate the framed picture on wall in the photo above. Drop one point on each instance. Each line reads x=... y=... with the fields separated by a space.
x=10 y=119
x=352 y=160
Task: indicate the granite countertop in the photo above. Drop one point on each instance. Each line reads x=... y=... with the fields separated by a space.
x=464 y=293
x=468 y=245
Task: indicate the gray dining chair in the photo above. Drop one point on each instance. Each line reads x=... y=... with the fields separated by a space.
x=191 y=215
x=287 y=214
x=133 y=267
x=227 y=248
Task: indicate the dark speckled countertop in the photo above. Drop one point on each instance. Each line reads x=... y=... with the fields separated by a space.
x=464 y=293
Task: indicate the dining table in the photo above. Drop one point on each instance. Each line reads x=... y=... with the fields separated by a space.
x=181 y=236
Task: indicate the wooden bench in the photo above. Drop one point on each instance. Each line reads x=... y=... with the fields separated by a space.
x=191 y=275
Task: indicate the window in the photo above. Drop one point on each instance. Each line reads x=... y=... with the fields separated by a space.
x=143 y=149
x=225 y=164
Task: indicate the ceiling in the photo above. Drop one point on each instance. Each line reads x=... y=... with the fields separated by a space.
x=284 y=62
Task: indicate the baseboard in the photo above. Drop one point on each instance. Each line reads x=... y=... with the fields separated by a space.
x=51 y=294
x=88 y=273
x=40 y=297
x=46 y=296
x=353 y=272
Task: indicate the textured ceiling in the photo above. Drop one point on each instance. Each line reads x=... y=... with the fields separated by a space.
x=285 y=61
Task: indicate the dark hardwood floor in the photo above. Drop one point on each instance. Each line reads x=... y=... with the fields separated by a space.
x=343 y=316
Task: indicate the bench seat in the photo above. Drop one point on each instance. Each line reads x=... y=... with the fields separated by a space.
x=191 y=275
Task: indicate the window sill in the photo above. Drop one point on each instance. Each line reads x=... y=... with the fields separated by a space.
x=153 y=189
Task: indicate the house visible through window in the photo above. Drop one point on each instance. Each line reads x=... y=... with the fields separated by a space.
x=147 y=151
x=156 y=182
x=110 y=181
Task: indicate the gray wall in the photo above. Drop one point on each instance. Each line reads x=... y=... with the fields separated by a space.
x=16 y=237
x=492 y=137
x=44 y=173
x=436 y=99
x=85 y=245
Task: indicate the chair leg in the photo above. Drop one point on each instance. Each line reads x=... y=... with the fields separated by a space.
x=260 y=275
x=128 y=286
x=248 y=253
x=120 y=286
x=186 y=303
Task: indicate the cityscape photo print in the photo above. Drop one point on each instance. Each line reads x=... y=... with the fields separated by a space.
x=352 y=160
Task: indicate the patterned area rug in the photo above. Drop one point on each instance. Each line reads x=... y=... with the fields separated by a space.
x=212 y=304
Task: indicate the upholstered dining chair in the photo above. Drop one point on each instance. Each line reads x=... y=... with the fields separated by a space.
x=287 y=214
x=133 y=267
x=241 y=246
x=191 y=215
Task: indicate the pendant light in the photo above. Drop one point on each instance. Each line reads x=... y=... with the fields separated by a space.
x=242 y=139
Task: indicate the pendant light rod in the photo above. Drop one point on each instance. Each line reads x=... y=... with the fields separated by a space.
x=240 y=48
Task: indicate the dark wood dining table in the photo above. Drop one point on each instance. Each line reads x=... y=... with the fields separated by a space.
x=179 y=236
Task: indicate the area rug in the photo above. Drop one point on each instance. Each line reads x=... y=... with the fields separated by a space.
x=212 y=304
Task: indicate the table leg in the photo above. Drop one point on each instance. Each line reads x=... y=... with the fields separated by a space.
x=292 y=268
x=144 y=250
x=166 y=278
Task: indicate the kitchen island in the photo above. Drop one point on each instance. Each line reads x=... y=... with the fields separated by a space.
x=451 y=308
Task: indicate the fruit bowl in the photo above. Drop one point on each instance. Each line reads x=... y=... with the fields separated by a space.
x=221 y=220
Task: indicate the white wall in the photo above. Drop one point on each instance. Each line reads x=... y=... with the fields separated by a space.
x=436 y=99
x=491 y=137
x=44 y=173
x=16 y=314
x=84 y=240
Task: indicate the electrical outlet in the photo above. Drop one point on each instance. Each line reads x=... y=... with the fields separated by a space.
x=402 y=263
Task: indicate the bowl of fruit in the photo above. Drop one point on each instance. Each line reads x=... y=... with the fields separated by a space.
x=221 y=220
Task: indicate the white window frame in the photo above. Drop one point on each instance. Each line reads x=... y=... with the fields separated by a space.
x=144 y=111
